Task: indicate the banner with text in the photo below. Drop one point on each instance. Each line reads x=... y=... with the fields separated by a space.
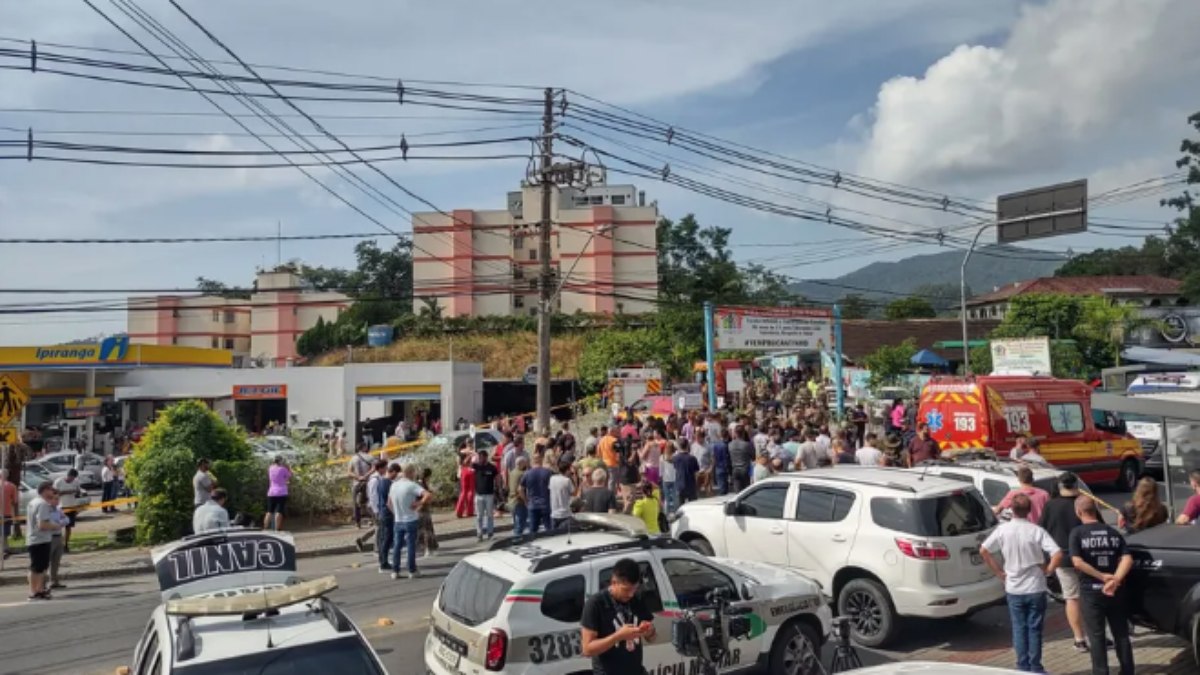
x=1021 y=355
x=800 y=329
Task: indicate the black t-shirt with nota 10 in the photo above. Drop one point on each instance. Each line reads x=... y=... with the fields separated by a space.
x=1100 y=546
x=603 y=614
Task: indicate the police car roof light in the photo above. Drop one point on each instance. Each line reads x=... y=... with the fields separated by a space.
x=185 y=641
x=252 y=603
x=576 y=556
x=581 y=522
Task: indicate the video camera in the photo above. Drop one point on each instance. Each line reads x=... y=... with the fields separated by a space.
x=705 y=631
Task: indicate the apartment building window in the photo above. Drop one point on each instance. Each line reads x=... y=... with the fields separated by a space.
x=518 y=301
x=228 y=316
x=533 y=311
x=175 y=313
x=596 y=199
x=174 y=340
x=295 y=310
x=618 y=200
x=519 y=241
x=215 y=343
x=229 y=343
x=533 y=283
x=533 y=254
x=216 y=316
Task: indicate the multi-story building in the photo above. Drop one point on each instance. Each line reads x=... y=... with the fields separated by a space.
x=1141 y=290
x=261 y=330
x=486 y=262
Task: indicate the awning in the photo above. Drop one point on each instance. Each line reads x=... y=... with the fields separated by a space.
x=1164 y=357
x=399 y=392
x=928 y=359
x=957 y=344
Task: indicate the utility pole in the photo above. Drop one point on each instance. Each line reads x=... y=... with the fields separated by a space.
x=545 y=282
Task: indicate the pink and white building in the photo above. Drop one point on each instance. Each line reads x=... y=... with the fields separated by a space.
x=262 y=329
x=477 y=263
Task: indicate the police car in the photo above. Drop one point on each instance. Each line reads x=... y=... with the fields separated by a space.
x=233 y=605
x=516 y=607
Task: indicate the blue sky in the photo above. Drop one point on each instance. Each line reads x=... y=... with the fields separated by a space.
x=963 y=98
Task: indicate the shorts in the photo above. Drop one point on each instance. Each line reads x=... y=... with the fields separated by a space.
x=39 y=557
x=276 y=504
x=1068 y=579
x=71 y=515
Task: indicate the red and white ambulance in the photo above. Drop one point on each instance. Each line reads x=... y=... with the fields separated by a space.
x=993 y=411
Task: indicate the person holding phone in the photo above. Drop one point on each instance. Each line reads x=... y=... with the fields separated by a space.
x=615 y=622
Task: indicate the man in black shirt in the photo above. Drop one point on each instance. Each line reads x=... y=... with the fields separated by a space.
x=486 y=475
x=1099 y=553
x=1059 y=519
x=615 y=621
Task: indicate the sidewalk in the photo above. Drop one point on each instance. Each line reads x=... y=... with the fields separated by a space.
x=986 y=640
x=309 y=544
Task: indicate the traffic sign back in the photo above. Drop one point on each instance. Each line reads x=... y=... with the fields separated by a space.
x=12 y=400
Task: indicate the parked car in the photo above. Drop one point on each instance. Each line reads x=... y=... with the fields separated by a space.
x=485 y=439
x=1165 y=583
x=883 y=543
x=61 y=462
x=516 y=607
x=995 y=478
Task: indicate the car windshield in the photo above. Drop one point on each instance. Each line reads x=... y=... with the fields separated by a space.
x=344 y=656
x=959 y=513
x=446 y=440
x=472 y=596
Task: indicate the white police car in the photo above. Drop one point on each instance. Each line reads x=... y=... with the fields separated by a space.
x=516 y=607
x=233 y=605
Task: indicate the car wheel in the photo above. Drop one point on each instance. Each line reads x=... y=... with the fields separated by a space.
x=872 y=617
x=700 y=545
x=1128 y=479
x=796 y=650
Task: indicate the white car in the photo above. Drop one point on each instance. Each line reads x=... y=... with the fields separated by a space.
x=485 y=439
x=60 y=462
x=931 y=668
x=883 y=543
x=268 y=447
x=995 y=478
x=232 y=605
x=516 y=607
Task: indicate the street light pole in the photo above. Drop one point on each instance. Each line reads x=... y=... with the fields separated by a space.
x=963 y=299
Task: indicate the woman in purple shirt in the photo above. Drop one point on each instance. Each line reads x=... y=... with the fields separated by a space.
x=277 y=493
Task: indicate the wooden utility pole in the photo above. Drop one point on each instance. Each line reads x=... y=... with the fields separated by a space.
x=545 y=280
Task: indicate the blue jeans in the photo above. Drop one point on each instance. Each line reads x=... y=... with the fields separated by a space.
x=405 y=533
x=670 y=496
x=520 y=519
x=539 y=517
x=384 y=536
x=485 y=514
x=722 y=482
x=1027 y=613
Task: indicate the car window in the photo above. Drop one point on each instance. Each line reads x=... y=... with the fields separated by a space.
x=563 y=599
x=822 y=506
x=1065 y=417
x=148 y=651
x=1050 y=485
x=483 y=441
x=994 y=491
x=692 y=581
x=472 y=596
x=764 y=502
x=341 y=655
x=649 y=591
x=959 y=513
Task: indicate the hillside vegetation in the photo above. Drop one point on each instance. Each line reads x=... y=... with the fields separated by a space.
x=504 y=356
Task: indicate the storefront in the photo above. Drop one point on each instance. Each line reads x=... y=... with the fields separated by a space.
x=257 y=405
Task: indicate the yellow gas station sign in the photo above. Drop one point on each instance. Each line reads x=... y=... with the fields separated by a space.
x=12 y=398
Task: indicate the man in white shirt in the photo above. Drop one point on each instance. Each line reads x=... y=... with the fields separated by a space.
x=1024 y=547
x=824 y=441
x=1033 y=453
x=561 y=490
x=211 y=515
x=868 y=454
x=811 y=454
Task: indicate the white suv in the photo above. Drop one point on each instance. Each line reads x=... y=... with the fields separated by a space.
x=995 y=478
x=516 y=607
x=883 y=543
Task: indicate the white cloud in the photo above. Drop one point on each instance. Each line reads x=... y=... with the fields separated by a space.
x=1074 y=77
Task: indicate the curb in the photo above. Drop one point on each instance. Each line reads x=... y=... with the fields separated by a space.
x=146 y=567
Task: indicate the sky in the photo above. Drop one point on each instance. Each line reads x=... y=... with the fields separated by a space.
x=961 y=99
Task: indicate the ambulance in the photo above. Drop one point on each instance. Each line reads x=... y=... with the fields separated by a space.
x=992 y=411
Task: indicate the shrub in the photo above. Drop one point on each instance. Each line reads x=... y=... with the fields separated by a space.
x=318 y=489
x=163 y=464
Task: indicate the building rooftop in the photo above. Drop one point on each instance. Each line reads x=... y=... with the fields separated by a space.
x=1100 y=285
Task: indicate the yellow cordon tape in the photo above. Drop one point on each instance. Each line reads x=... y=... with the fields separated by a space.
x=399 y=447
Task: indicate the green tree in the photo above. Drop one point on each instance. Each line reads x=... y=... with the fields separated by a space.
x=695 y=265
x=943 y=297
x=608 y=349
x=912 y=307
x=854 y=306
x=164 y=461
x=1149 y=258
x=889 y=362
x=213 y=287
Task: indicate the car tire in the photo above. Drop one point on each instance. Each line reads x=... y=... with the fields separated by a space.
x=1127 y=480
x=873 y=620
x=700 y=545
x=796 y=650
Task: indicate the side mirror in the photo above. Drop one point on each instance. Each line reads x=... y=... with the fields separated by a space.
x=731 y=508
x=747 y=591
